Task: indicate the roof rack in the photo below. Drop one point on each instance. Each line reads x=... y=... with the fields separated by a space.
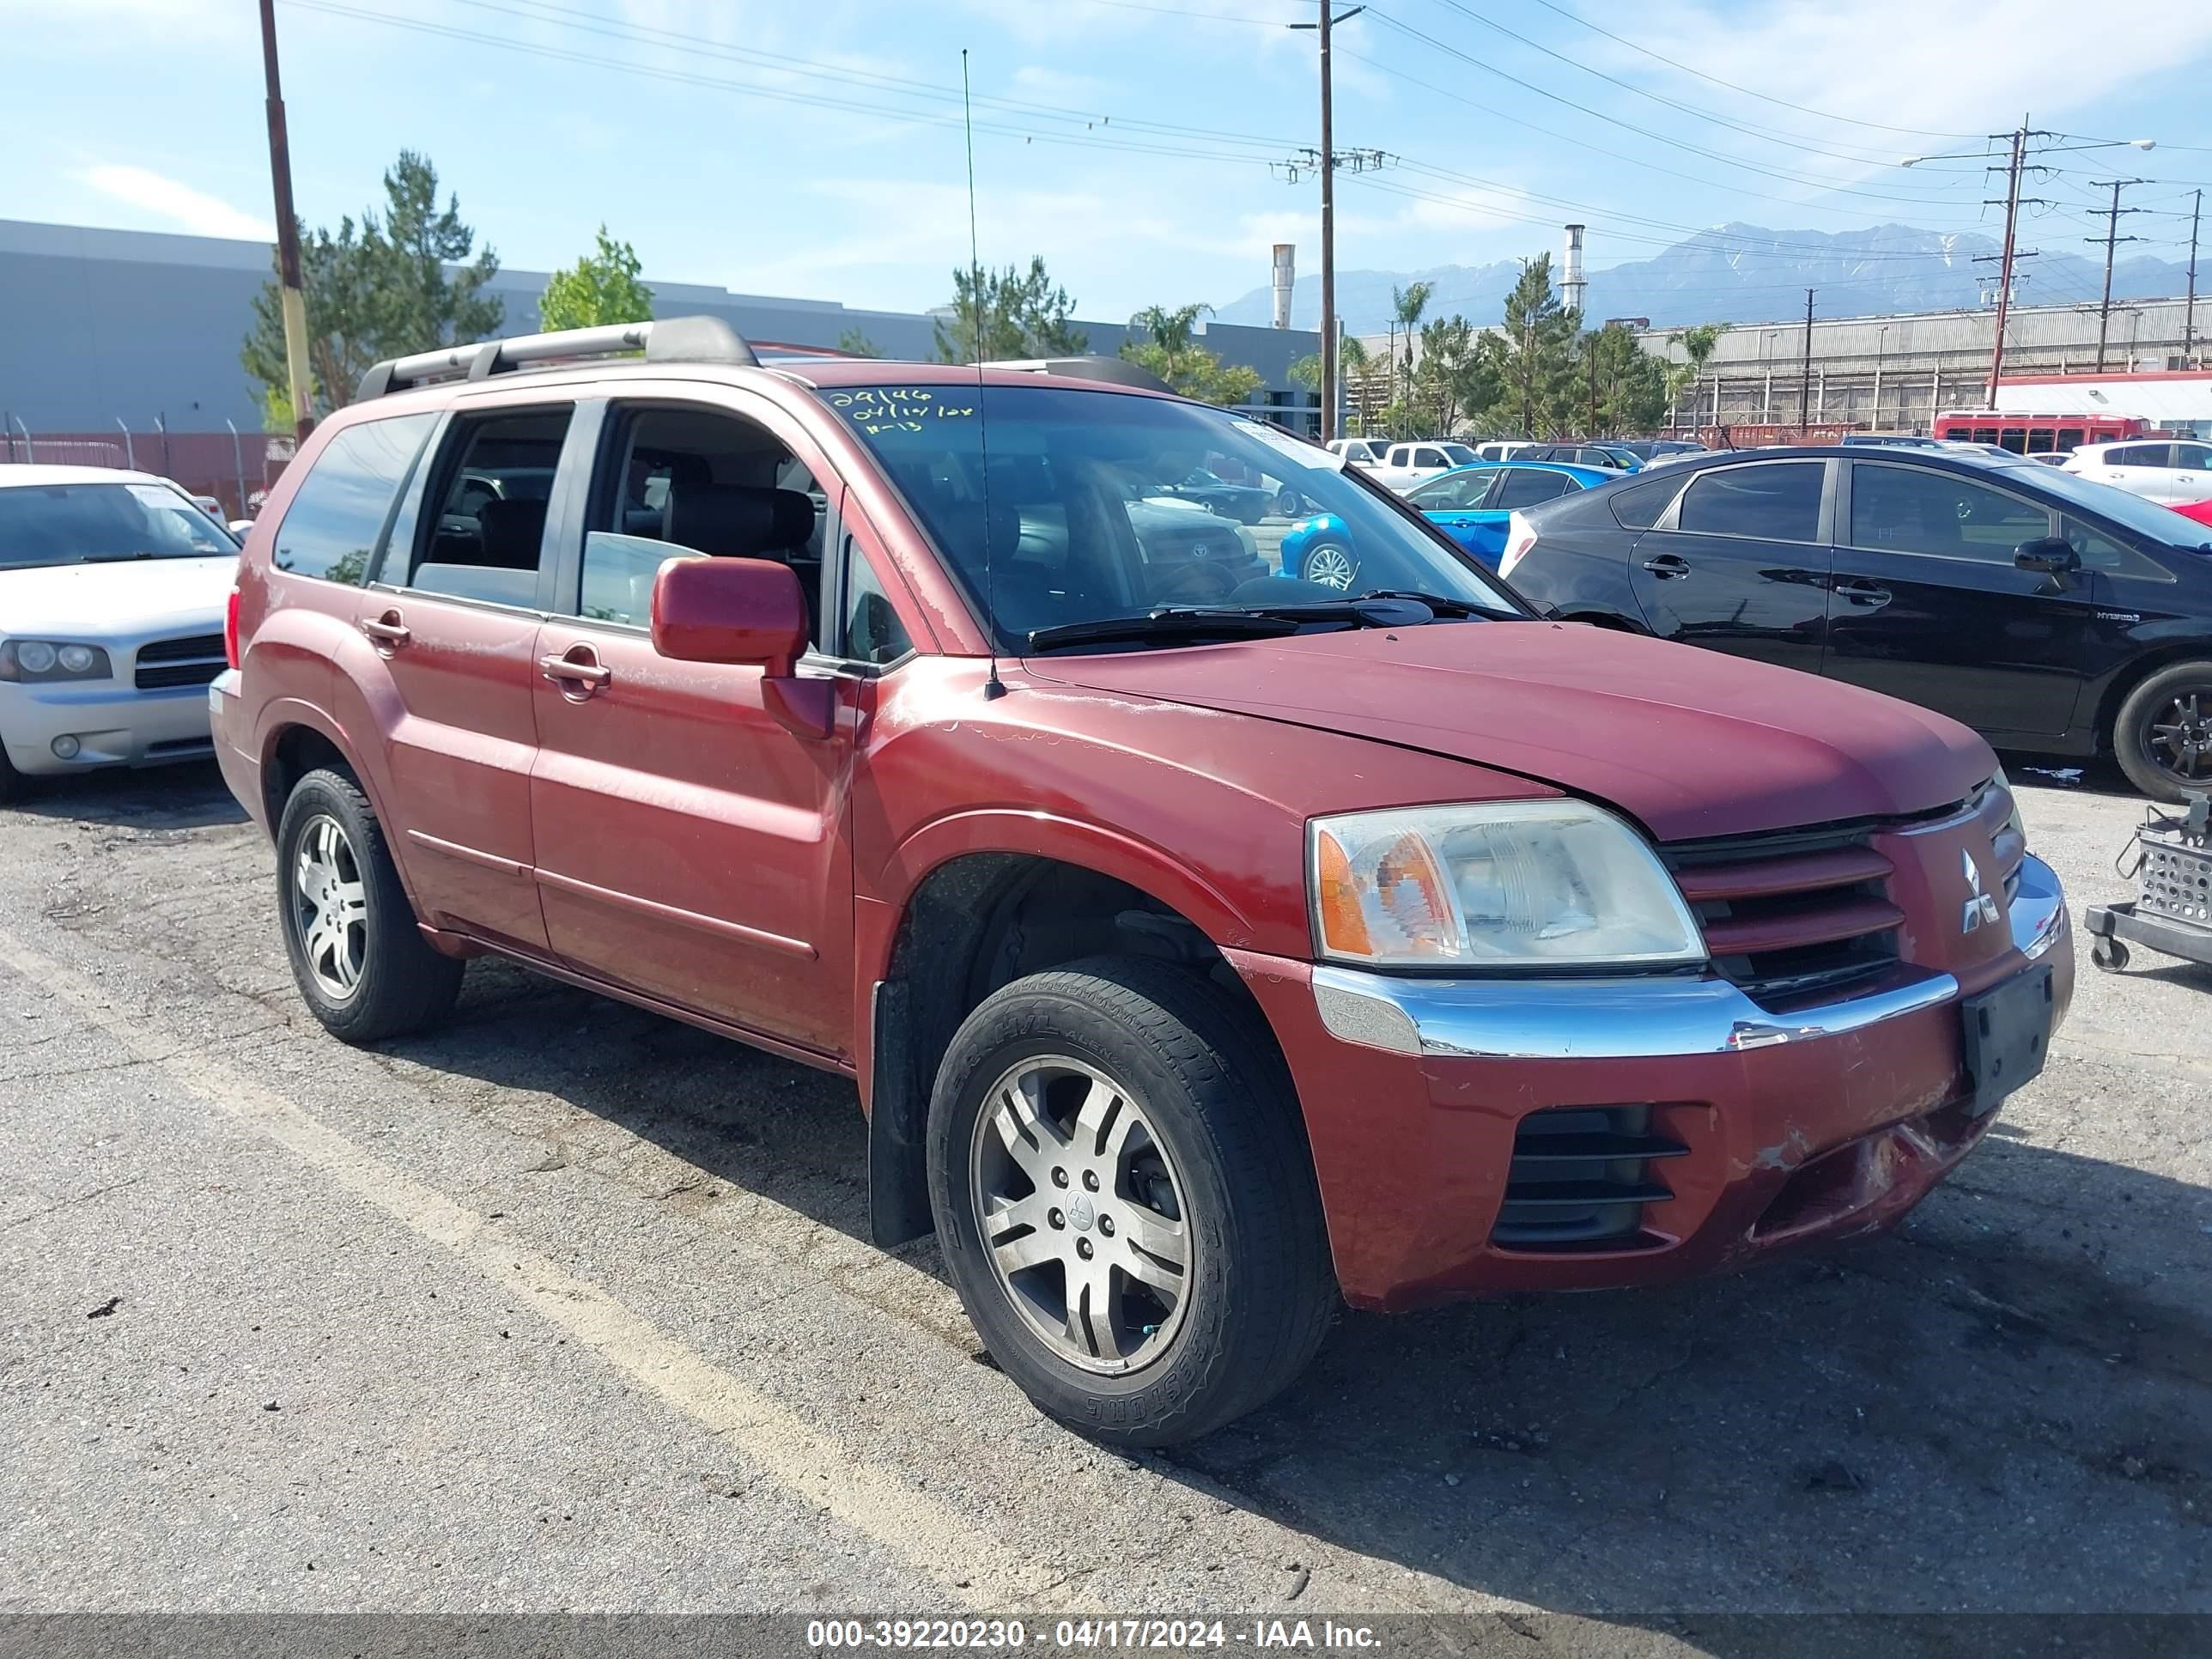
x=667 y=340
x=1113 y=371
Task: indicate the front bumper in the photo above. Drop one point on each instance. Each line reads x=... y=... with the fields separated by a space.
x=113 y=724
x=1819 y=1124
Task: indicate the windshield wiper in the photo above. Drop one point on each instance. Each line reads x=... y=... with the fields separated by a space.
x=1168 y=622
x=1441 y=604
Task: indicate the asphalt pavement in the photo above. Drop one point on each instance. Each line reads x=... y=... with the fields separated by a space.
x=567 y=1306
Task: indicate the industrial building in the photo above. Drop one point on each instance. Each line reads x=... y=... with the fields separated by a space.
x=115 y=332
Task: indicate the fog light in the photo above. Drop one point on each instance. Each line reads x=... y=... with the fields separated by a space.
x=65 y=748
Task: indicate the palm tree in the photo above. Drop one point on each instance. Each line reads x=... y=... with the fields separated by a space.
x=1408 y=304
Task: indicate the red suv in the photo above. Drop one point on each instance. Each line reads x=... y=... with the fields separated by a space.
x=1206 y=945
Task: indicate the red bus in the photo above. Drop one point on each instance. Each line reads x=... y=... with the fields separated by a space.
x=2037 y=434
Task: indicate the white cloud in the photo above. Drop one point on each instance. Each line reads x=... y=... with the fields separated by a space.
x=184 y=207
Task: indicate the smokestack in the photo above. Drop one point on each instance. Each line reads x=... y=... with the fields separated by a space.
x=1572 y=284
x=1286 y=266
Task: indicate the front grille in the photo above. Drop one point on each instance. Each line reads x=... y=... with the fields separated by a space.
x=1795 y=914
x=1581 y=1177
x=194 y=660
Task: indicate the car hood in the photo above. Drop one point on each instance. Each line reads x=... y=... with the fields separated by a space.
x=109 y=601
x=1689 y=742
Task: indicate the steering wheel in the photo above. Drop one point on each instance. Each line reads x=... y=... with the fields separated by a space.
x=1200 y=581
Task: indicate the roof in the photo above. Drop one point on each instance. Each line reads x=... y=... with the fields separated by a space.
x=25 y=476
x=1575 y=469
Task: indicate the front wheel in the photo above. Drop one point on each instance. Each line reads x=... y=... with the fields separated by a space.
x=1125 y=1200
x=1288 y=503
x=362 y=966
x=1328 y=564
x=2162 y=737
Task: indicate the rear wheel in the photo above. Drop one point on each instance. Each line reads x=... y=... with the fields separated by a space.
x=362 y=965
x=2162 y=737
x=1125 y=1202
x=1288 y=502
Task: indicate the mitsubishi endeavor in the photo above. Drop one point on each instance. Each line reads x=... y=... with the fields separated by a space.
x=1208 y=946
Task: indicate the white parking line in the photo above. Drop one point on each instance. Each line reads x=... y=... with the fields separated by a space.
x=967 y=1564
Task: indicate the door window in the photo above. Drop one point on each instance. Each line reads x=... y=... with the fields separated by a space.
x=2070 y=437
x=1776 y=503
x=1398 y=455
x=486 y=539
x=1638 y=507
x=332 y=528
x=1455 y=492
x=1430 y=458
x=1913 y=509
x=2193 y=457
x=692 y=484
x=1526 y=486
x=2138 y=455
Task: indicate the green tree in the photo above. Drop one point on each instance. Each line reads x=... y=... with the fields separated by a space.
x=1407 y=305
x=1453 y=378
x=1532 y=357
x=393 y=283
x=856 y=341
x=1170 y=349
x=1008 y=314
x=1697 y=345
x=602 y=287
x=1621 y=387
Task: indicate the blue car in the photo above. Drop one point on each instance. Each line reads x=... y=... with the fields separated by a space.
x=1472 y=505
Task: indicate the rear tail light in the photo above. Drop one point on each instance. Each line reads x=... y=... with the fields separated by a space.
x=230 y=630
x=1520 y=536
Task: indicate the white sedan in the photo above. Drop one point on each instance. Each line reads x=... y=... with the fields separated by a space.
x=114 y=591
x=2177 y=472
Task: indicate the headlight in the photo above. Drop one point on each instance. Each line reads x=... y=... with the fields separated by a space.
x=51 y=659
x=1550 y=884
x=2014 y=822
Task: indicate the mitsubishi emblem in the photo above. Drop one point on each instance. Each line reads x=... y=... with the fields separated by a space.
x=1980 y=907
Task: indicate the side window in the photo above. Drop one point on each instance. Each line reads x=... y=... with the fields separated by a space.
x=691 y=483
x=1638 y=506
x=1455 y=492
x=873 y=633
x=1398 y=454
x=1776 y=503
x=486 y=535
x=2136 y=455
x=2070 y=437
x=1430 y=458
x=1911 y=509
x=1525 y=486
x=2101 y=552
x=2193 y=457
x=332 y=527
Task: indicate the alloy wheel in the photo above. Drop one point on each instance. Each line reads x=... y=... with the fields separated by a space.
x=330 y=908
x=2178 y=737
x=1329 y=565
x=1082 y=1214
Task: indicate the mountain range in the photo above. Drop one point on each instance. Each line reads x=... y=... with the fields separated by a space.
x=1740 y=273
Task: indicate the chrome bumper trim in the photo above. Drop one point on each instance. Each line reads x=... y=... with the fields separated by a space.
x=2038 y=909
x=1637 y=1019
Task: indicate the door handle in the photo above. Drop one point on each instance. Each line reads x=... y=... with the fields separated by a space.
x=390 y=629
x=582 y=675
x=1873 y=595
x=1668 y=566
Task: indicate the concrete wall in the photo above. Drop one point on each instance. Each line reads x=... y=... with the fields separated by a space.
x=101 y=325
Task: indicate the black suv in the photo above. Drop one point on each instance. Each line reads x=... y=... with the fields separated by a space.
x=2054 y=615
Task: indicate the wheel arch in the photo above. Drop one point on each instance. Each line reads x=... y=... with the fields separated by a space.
x=973 y=921
x=2103 y=736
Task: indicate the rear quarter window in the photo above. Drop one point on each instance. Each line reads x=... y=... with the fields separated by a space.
x=1638 y=506
x=333 y=526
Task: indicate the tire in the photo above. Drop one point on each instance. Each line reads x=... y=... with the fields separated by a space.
x=1288 y=502
x=2109 y=955
x=328 y=842
x=2167 y=766
x=1329 y=565
x=12 y=781
x=1194 y=1107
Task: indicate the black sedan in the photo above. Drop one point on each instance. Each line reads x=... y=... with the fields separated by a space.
x=2054 y=615
x=1243 y=502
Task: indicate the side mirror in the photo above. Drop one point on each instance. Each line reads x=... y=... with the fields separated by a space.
x=733 y=611
x=744 y=611
x=2053 y=554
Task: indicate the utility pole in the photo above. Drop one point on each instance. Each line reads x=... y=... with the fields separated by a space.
x=1805 y=385
x=288 y=237
x=2112 y=238
x=2189 y=311
x=2019 y=136
x=1324 y=161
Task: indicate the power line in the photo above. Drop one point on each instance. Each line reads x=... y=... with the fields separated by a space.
x=1714 y=80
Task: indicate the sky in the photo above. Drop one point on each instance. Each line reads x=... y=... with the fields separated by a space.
x=814 y=150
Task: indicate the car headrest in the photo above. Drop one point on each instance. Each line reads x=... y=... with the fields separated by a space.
x=512 y=533
x=738 y=521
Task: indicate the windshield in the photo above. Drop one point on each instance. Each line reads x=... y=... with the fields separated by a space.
x=1461 y=454
x=88 y=523
x=1090 y=513
x=2146 y=517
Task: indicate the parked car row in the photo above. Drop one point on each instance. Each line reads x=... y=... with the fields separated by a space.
x=1215 y=934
